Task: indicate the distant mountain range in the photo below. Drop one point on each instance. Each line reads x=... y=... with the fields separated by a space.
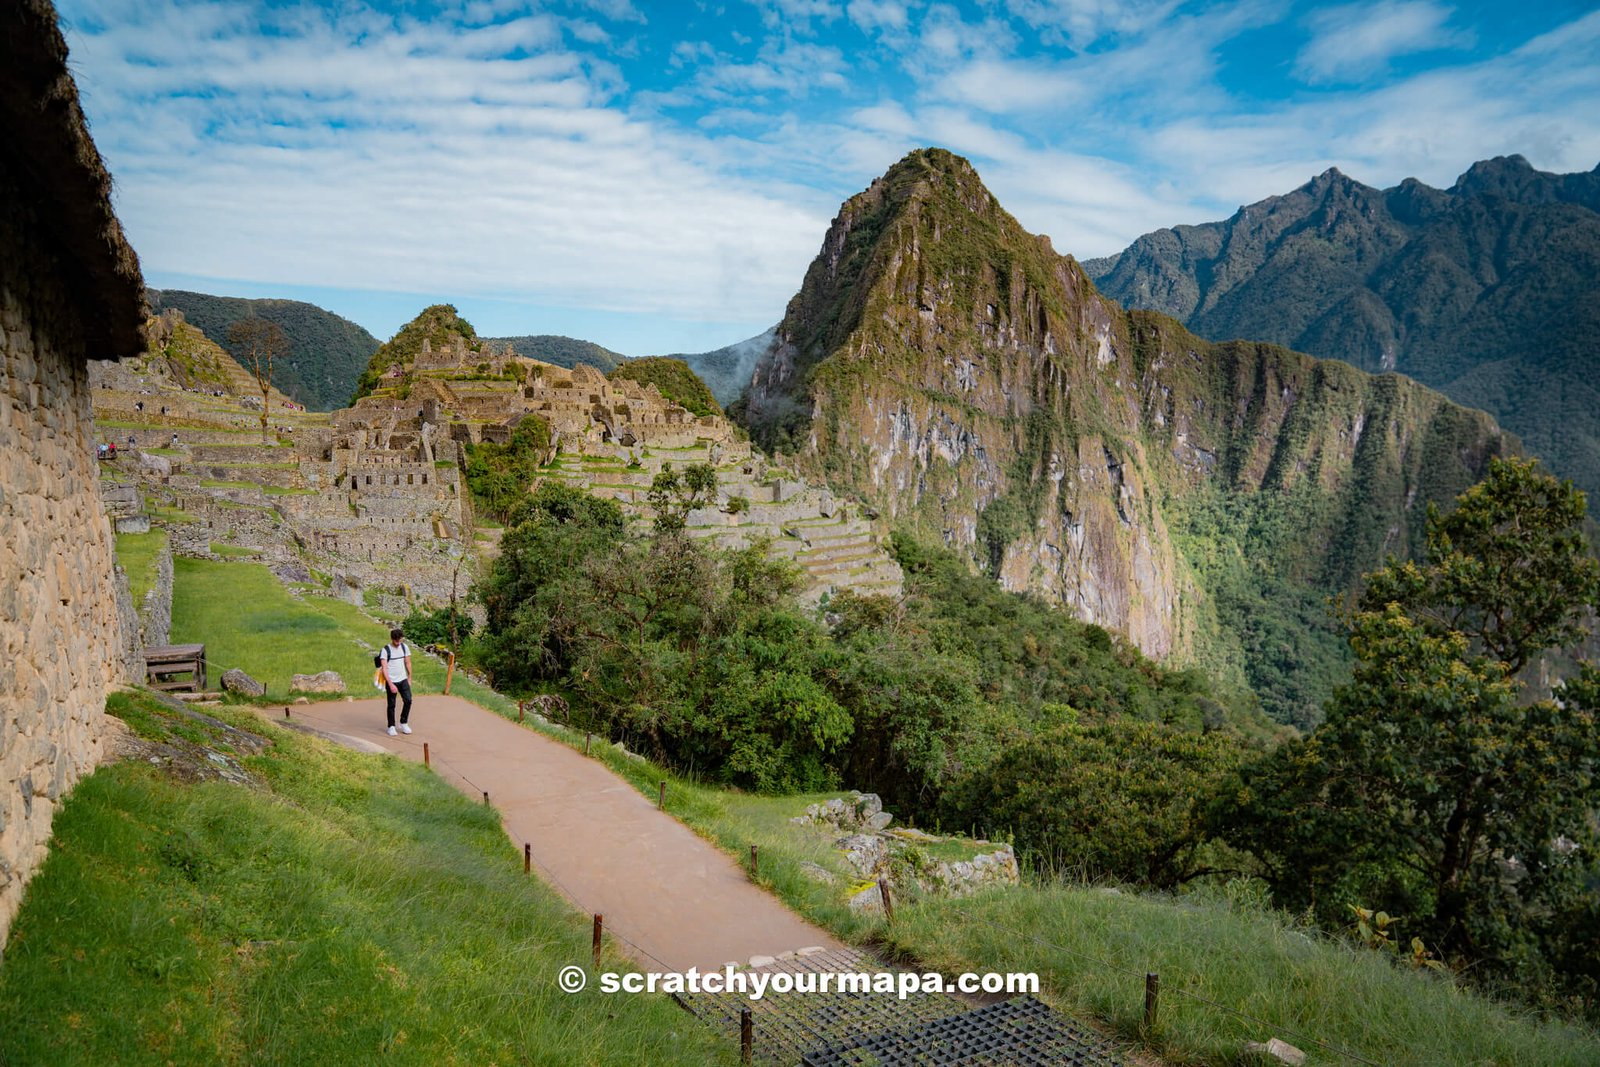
x=327 y=352
x=1489 y=290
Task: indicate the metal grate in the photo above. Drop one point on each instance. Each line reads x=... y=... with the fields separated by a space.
x=925 y=1029
x=1021 y=1032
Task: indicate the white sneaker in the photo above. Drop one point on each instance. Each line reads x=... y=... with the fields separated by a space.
x=392 y=731
x=404 y=728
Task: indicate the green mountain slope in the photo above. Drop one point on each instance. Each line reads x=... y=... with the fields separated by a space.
x=1488 y=291
x=727 y=370
x=673 y=377
x=326 y=352
x=562 y=351
x=955 y=371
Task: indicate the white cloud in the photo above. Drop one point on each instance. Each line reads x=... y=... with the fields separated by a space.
x=1081 y=23
x=873 y=15
x=385 y=154
x=494 y=153
x=1354 y=42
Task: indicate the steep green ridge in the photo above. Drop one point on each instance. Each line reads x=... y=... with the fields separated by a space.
x=1488 y=291
x=673 y=377
x=437 y=324
x=1201 y=498
x=326 y=352
x=562 y=351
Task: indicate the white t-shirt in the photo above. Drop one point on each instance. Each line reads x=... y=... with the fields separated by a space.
x=394 y=662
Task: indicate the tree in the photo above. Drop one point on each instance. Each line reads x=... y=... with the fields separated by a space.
x=1121 y=799
x=1509 y=568
x=673 y=494
x=499 y=476
x=258 y=343
x=1436 y=789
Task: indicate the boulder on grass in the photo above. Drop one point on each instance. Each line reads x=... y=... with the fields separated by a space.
x=236 y=681
x=1276 y=1049
x=321 y=682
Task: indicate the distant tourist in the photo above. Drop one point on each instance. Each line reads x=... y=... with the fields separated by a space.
x=396 y=660
x=174 y=441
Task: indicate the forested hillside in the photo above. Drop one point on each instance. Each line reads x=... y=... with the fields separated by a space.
x=326 y=352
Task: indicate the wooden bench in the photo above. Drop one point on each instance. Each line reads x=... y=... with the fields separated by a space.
x=164 y=664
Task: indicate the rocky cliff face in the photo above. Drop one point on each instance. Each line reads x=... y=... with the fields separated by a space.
x=955 y=371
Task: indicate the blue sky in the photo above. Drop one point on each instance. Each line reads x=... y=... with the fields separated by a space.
x=656 y=177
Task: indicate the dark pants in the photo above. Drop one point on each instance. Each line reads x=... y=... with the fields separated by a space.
x=405 y=693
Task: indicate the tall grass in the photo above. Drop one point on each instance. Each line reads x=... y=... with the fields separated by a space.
x=357 y=909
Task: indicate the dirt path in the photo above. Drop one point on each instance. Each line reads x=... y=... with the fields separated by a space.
x=675 y=897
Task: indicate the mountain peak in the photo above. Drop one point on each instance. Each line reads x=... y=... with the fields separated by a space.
x=1508 y=176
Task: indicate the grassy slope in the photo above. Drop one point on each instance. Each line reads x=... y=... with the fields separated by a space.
x=137 y=554
x=1249 y=959
x=358 y=908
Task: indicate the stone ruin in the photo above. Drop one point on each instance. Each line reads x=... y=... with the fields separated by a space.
x=874 y=852
x=373 y=496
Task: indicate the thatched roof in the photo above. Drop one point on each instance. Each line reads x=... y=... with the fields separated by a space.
x=50 y=158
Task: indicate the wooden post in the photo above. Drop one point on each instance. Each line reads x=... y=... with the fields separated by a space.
x=746 y=1036
x=888 y=904
x=586 y=739
x=661 y=801
x=1152 y=989
x=286 y=711
x=426 y=760
x=520 y=707
x=599 y=924
x=486 y=796
x=450 y=671
x=527 y=859
x=755 y=864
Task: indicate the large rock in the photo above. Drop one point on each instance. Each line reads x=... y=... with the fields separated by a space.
x=236 y=681
x=1276 y=1049
x=321 y=682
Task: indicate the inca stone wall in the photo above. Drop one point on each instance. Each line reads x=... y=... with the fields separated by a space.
x=69 y=287
x=58 y=609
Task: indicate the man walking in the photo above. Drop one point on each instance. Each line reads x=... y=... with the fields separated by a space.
x=396 y=659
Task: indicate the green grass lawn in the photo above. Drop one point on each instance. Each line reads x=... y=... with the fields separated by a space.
x=247 y=619
x=220 y=549
x=137 y=553
x=355 y=909
x=168 y=514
